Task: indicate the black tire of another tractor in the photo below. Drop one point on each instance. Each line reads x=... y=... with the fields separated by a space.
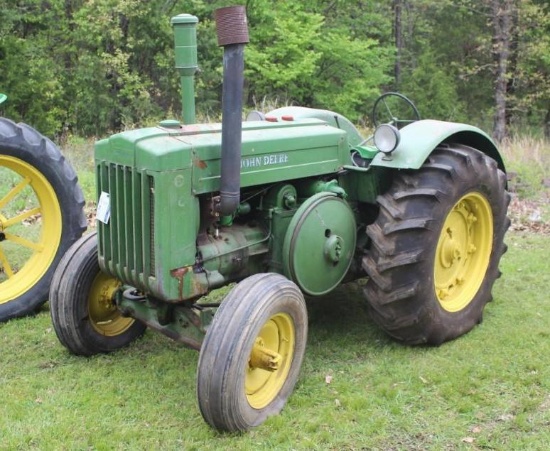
x=400 y=263
x=226 y=350
x=25 y=143
x=71 y=285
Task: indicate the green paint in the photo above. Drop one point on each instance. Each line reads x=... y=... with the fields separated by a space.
x=420 y=138
x=185 y=40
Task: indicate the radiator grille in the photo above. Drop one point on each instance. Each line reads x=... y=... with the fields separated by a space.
x=152 y=225
x=125 y=244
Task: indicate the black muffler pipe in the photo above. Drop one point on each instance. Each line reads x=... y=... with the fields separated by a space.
x=232 y=31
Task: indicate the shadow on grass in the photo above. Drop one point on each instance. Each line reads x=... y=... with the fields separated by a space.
x=343 y=315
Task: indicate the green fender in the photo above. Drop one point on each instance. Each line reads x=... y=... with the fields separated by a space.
x=420 y=138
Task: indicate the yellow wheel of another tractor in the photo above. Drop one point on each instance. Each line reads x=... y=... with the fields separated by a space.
x=436 y=245
x=83 y=304
x=30 y=231
x=252 y=353
x=41 y=215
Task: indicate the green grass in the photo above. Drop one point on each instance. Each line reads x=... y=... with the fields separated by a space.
x=489 y=389
x=529 y=159
x=80 y=153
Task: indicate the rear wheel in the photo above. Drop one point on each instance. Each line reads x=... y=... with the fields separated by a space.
x=436 y=246
x=252 y=353
x=82 y=304
x=41 y=215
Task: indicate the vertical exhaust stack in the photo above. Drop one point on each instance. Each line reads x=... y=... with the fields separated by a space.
x=232 y=30
x=185 y=41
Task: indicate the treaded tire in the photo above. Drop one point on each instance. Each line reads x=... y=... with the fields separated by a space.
x=232 y=394
x=402 y=261
x=76 y=278
x=24 y=147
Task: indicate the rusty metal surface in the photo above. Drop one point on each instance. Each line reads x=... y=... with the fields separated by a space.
x=231 y=25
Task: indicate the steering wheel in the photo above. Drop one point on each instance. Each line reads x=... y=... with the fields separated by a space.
x=391 y=104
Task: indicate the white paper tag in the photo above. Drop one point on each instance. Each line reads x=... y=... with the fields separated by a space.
x=104 y=208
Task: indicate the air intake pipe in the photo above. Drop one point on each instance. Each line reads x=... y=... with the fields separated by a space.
x=185 y=40
x=232 y=31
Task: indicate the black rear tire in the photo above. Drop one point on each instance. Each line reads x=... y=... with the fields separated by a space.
x=84 y=314
x=40 y=167
x=436 y=246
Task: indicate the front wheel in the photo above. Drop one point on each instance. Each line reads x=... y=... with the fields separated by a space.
x=436 y=246
x=82 y=304
x=252 y=353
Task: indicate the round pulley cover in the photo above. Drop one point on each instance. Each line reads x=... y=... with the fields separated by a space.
x=319 y=244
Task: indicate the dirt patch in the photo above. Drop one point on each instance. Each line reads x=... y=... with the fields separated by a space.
x=528 y=215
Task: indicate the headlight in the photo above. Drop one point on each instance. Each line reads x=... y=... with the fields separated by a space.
x=386 y=138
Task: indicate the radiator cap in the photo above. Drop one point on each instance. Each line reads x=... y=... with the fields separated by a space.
x=170 y=123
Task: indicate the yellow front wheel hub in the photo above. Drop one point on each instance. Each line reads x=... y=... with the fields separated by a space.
x=30 y=227
x=270 y=360
x=105 y=317
x=463 y=252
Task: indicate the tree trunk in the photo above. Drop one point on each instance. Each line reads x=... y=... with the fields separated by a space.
x=502 y=12
x=512 y=67
x=547 y=124
x=398 y=34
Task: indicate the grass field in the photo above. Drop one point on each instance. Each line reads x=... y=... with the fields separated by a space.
x=358 y=389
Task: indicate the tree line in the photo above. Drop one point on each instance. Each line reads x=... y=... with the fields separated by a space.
x=91 y=67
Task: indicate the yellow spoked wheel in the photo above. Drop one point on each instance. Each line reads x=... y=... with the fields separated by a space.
x=41 y=215
x=463 y=252
x=83 y=304
x=30 y=227
x=270 y=360
x=436 y=245
x=104 y=316
x=252 y=353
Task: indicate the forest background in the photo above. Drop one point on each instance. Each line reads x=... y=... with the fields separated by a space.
x=91 y=67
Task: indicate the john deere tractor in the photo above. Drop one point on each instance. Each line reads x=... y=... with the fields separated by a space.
x=288 y=203
x=41 y=215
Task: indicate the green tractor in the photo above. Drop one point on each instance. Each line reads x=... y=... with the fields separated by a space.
x=288 y=203
x=41 y=216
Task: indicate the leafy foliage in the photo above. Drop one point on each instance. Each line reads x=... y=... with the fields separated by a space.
x=90 y=67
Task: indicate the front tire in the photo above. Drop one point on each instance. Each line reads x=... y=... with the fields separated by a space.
x=252 y=353
x=82 y=304
x=436 y=246
x=41 y=215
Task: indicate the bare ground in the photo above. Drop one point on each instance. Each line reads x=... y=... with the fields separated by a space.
x=529 y=215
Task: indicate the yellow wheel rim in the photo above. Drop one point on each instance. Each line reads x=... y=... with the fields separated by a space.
x=26 y=252
x=105 y=318
x=270 y=360
x=463 y=252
